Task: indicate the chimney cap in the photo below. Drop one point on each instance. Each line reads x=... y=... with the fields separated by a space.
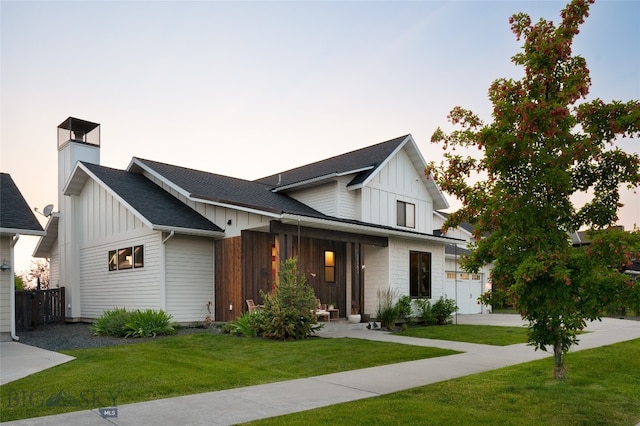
x=73 y=123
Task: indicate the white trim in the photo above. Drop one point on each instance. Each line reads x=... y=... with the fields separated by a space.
x=107 y=188
x=319 y=179
x=135 y=161
x=15 y=231
x=363 y=228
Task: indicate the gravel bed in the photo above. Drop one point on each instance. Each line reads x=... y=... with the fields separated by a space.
x=57 y=337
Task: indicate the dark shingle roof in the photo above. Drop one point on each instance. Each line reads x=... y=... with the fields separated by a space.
x=369 y=157
x=464 y=225
x=228 y=190
x=155 y=204
x=15 y=213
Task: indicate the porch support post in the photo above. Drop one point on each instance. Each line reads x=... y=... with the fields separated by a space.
x=357 y=275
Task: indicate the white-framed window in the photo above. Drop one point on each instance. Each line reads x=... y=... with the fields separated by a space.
x=406 y=214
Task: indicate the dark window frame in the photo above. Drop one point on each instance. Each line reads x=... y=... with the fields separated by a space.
x=330 y=267
x=406 y=216
x=420 y=275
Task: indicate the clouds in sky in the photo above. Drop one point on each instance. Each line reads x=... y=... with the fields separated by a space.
x=247 y=89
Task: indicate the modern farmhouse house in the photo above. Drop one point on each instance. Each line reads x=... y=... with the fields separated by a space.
x=194 y=243
x=16 y=219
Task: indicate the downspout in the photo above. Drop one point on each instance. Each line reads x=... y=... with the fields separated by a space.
x=163 y=271
x=455 y=285
x=12 y=291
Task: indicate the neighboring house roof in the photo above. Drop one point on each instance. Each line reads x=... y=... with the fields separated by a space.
x=364 y=163
x=464 y=225
x=223 y=190
x=456 y=251
x=152 y=204
x=16 y=216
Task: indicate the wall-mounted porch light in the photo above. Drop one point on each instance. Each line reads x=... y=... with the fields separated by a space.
x=5 y=266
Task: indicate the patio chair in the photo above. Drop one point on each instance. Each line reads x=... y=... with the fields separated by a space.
x=251 y=306
x=321 y=311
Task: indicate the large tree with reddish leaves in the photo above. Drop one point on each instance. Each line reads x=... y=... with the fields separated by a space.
x=545 y=144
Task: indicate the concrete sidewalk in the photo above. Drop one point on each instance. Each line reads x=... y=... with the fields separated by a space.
x=251 y=403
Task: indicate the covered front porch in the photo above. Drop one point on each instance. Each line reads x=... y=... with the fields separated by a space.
x=332 y=263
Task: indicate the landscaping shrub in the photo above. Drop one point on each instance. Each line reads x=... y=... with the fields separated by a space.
x=387 y=312
x=403 y=308
x=425 y=313
x=111 y=323
x=289 y=310
x=118 y=322
x=245 y=325
x=443 y=309
x=148 y=323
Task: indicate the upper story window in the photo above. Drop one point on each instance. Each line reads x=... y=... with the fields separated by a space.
x=406 y=213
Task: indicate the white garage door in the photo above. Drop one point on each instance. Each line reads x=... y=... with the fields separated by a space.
x=465 y=290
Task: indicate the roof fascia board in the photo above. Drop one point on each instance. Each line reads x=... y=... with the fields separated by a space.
x=113 y=194
x=371 y=230
x=188 y=231
x=16 y=231
x=234 y=207
x=136 y=163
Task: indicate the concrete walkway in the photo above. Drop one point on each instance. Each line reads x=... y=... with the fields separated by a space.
x=256 y=402
x=18 y=360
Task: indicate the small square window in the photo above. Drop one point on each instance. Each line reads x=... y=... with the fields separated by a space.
x=138 y=256
x=113 y=260
x=125 y=258
x=406 y=214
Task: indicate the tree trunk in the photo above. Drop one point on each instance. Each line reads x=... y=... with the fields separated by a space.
x=558 y=370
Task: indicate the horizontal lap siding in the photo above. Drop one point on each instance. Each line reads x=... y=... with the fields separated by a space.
x=189 y=282
x=137 y=288
x=6 y=281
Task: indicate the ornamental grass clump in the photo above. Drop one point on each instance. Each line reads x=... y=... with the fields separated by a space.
x=119 y=322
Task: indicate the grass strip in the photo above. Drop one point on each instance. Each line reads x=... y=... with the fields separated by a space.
x=483 y=334
x=188 y=364
x=603 y=388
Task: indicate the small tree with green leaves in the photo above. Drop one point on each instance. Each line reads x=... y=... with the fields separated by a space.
x=545 y=144
x=289 y=310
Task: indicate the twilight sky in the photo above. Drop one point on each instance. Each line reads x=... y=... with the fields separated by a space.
x=247 y=89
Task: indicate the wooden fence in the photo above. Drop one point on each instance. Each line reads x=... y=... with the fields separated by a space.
x=34 y=308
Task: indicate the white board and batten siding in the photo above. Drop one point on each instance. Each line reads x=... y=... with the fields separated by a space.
x=397 y=181
x=189 y=278
x=104 y=224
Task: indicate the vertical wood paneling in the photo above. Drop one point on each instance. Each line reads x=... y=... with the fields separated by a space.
x=228 y=278
x=256 y=265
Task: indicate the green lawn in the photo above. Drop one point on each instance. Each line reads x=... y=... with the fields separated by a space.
x=188 y=364
x=603 y=388
x=485 y=334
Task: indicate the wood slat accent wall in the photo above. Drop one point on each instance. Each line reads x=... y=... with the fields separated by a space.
x=256 y=265
x=228 y=272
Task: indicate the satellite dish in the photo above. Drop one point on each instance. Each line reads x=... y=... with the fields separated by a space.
x=47 y=210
